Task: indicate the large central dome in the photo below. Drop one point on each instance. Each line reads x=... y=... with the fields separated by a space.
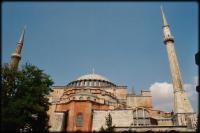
x=91 y=80
x=92 y=77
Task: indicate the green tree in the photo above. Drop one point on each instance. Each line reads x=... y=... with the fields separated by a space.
x=24 y=102
x=102 y=130
x=109 y=126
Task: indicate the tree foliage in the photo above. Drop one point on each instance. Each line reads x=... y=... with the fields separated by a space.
x=109 y=126
x=24 y=102
x=109 y=122
x=102 y=130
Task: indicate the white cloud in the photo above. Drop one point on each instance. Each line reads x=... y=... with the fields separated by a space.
x=162 y=95
x=192 y=94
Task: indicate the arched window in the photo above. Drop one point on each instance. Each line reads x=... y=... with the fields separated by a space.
x=141 y=117
x=88 y=98
x=95 y=83
x=80 y=98
x=90 y=83
x=79 y=120
x=85 y=83
x=81 y=83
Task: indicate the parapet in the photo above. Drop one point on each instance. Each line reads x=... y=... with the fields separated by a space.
x=145 y=93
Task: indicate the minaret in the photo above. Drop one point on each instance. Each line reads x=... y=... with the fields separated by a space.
x=184 y=114
x=16 y=56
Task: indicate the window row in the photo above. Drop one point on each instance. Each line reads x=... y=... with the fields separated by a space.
x=90 y=83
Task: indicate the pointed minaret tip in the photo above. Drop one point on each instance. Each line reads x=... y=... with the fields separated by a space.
x=161 y=7
x=163 y=17
x=21 y=39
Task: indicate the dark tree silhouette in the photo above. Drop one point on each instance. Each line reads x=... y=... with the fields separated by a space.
x=24 y=101
x=110 y=127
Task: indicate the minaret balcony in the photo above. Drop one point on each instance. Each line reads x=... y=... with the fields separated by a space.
x=167 y=39
x=15 y=55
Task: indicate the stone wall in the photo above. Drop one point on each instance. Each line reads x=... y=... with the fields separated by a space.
x=145 y=92
x=159 y=114
x=121 y=92
x=165 y=121
x=73 y=109
x=139 y=101
x=55 y=95
x=57 y=120
x=155 y=129
x=119 y=118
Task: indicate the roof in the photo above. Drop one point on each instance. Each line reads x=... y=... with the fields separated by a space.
x=91 y=80
x=92 y=76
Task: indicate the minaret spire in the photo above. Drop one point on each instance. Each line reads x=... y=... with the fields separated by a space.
x=21 y=39
x=166 y=31
x=163 y=17
x=182 y=108
x=16 y=56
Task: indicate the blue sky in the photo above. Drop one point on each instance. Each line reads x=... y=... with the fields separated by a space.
x=122 y=41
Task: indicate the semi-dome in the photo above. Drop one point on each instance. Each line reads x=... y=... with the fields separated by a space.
x=91 y=80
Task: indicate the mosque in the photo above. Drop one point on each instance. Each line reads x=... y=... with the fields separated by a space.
x=83 y=104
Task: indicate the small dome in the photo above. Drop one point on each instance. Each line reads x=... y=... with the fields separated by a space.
x=92 y=77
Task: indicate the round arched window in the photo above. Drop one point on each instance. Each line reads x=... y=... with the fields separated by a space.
x=79 y=120
x=141 y=117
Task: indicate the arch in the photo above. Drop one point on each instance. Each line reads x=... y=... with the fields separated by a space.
x=141 y=117
x=90 y=83
x=95 y=83
x=88 y=98
x=79 y=119
x=80 y=98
